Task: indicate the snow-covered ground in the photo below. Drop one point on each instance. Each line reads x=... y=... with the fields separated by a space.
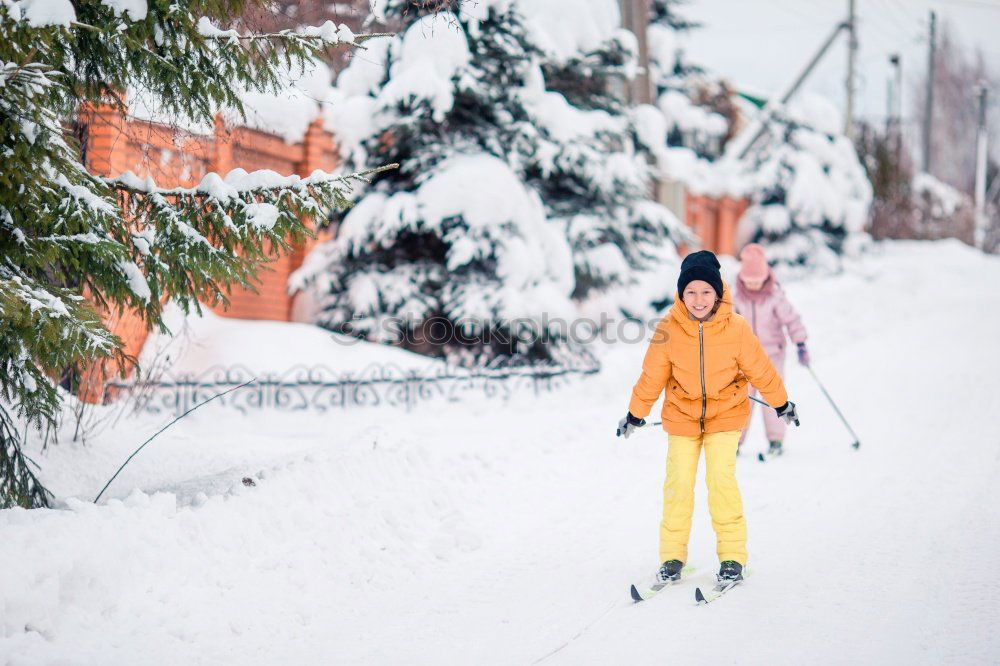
x=490 y=532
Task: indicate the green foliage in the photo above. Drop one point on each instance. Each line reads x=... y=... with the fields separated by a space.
x=70 y=240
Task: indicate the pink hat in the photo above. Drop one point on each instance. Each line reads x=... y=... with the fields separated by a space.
x=753 y=263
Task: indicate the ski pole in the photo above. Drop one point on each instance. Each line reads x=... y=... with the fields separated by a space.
x=751 y=397
x=856 y=443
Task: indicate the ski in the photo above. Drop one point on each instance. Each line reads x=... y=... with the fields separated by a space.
x=648 y=592
x=645 y=591
x=715 y=592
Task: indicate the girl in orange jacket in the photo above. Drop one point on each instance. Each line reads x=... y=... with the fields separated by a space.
x=704 y=355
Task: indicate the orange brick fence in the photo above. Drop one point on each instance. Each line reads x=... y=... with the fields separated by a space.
x=715 y=221
x=113 y=144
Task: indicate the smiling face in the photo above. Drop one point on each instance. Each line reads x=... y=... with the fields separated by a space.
x=699 y=298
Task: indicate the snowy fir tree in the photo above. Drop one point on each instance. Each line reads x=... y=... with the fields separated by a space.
x=809 y=193
x=508 y=204
x=699 y=109
x=75 y=246
x=446 y=253
x=591 y=175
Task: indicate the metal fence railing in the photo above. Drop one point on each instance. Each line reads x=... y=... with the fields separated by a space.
x=319 y=388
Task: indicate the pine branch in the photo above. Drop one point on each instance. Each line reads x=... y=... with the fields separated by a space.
x=356 y=41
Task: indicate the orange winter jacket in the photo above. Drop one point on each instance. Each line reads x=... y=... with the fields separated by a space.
x=705 y=368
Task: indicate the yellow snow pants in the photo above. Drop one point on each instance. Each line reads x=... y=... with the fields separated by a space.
x=724 y=501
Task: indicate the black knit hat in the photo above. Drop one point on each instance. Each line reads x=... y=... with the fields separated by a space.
x=700 y=266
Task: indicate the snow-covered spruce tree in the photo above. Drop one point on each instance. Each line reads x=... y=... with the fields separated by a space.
x=588 y=170
x=809 y=193
x=450 y=254
x=699 y=109
x=74 y=246
x=456 y=245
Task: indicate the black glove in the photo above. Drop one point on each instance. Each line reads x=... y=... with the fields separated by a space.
x=628 y=425
x=803 y=354
x=787 y=413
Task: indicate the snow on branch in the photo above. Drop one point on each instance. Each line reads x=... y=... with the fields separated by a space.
x=239 y=183
x=190 y=234
x=328 y=34
x=39 y=300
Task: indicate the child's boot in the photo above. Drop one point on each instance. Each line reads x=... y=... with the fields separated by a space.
x=730 y=572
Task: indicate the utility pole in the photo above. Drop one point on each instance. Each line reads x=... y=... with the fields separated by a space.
x=981 y=170
x=894 y=127
x=635 y=17
x=889 y=107
x=929 y=102
x=852 y=55
x=892 y=94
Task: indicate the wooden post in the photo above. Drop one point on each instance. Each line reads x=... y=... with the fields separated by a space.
x=728 y=217
x=222 y=148
x=692 y=209
x=107 y=144
x=319 y=152
x=704 y=222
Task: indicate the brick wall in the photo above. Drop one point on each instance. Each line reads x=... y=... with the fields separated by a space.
x=251 y=150
x=114 y=144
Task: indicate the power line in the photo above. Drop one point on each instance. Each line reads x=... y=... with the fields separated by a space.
x=823 y=23
x=795 y=7
x=883 y=18
x=981 y=4
x=900 y=6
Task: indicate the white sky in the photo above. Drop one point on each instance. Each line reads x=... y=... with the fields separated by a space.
x=762 y=45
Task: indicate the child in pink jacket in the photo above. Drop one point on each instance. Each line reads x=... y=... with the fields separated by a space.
x=762 y=302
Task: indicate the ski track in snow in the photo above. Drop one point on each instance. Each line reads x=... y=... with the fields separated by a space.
x=483 y=532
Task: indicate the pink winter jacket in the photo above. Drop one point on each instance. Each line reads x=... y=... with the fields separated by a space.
x=769 y=314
